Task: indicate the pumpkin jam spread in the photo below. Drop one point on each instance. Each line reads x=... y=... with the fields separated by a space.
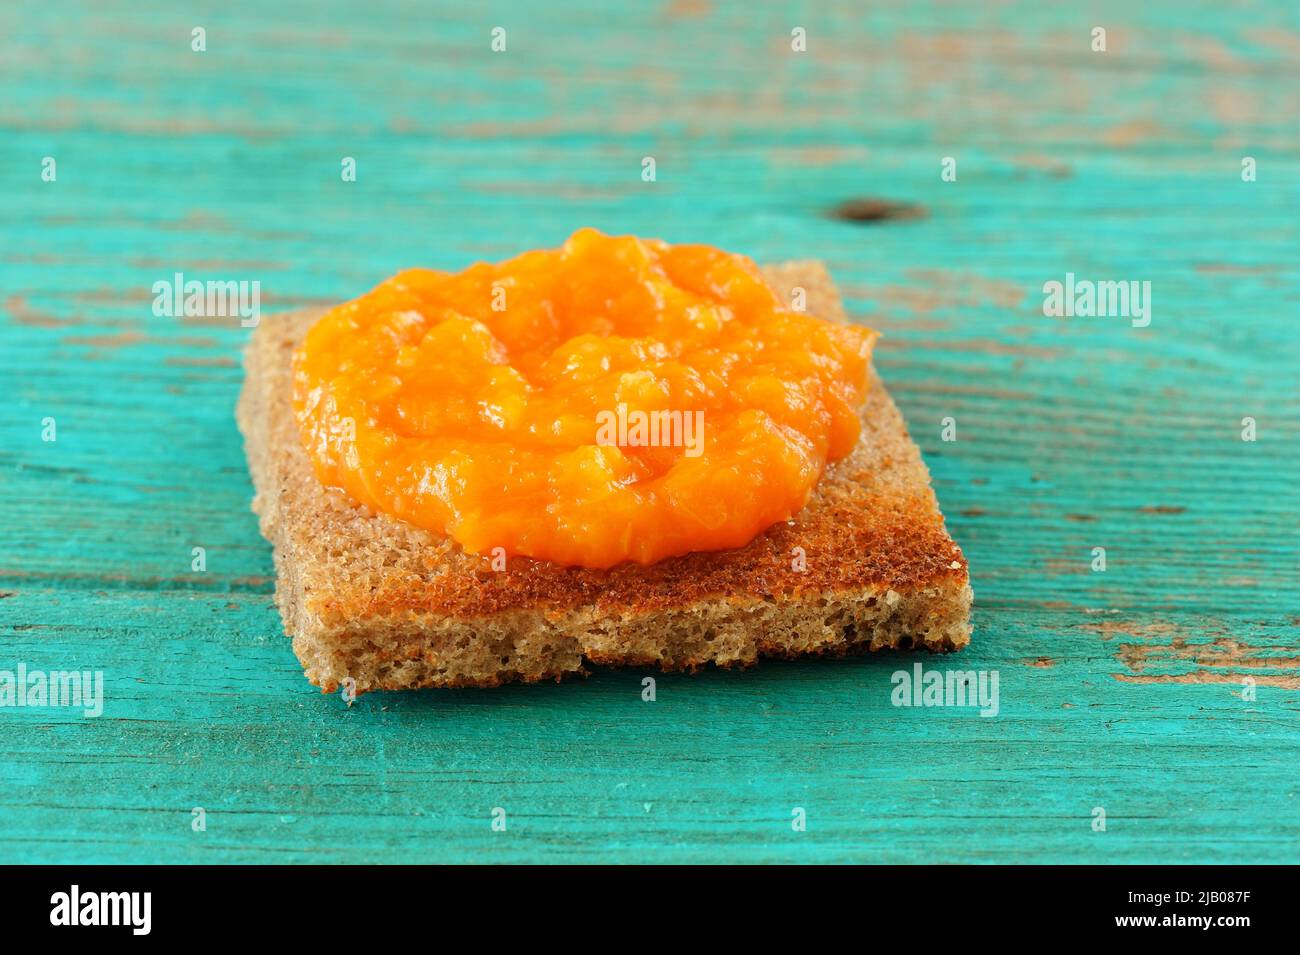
x=614 y=399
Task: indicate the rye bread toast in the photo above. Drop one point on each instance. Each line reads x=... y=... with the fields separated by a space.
x=393 y=607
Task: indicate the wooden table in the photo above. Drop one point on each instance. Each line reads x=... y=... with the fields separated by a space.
x=1128 y=690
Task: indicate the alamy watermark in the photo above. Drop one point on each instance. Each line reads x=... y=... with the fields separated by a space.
x=1084 y=298
x=920 y=687
x=37 y=688
x=75 y=907
x=182 y=298
x=651 y=429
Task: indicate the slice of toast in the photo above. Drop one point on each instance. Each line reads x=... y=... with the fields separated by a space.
x=866 y=564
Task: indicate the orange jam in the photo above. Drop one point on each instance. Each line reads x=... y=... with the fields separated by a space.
x=614 y=399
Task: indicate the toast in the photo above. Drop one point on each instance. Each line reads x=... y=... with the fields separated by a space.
x=867 y=564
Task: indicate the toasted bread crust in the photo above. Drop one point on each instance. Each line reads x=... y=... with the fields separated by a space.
x=393 y=606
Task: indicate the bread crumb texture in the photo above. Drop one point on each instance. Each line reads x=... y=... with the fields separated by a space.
x=867 y=564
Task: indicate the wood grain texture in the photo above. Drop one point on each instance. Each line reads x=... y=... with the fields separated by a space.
x=1121 y=690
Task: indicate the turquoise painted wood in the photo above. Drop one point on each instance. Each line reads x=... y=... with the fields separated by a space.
x=1124 y=690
